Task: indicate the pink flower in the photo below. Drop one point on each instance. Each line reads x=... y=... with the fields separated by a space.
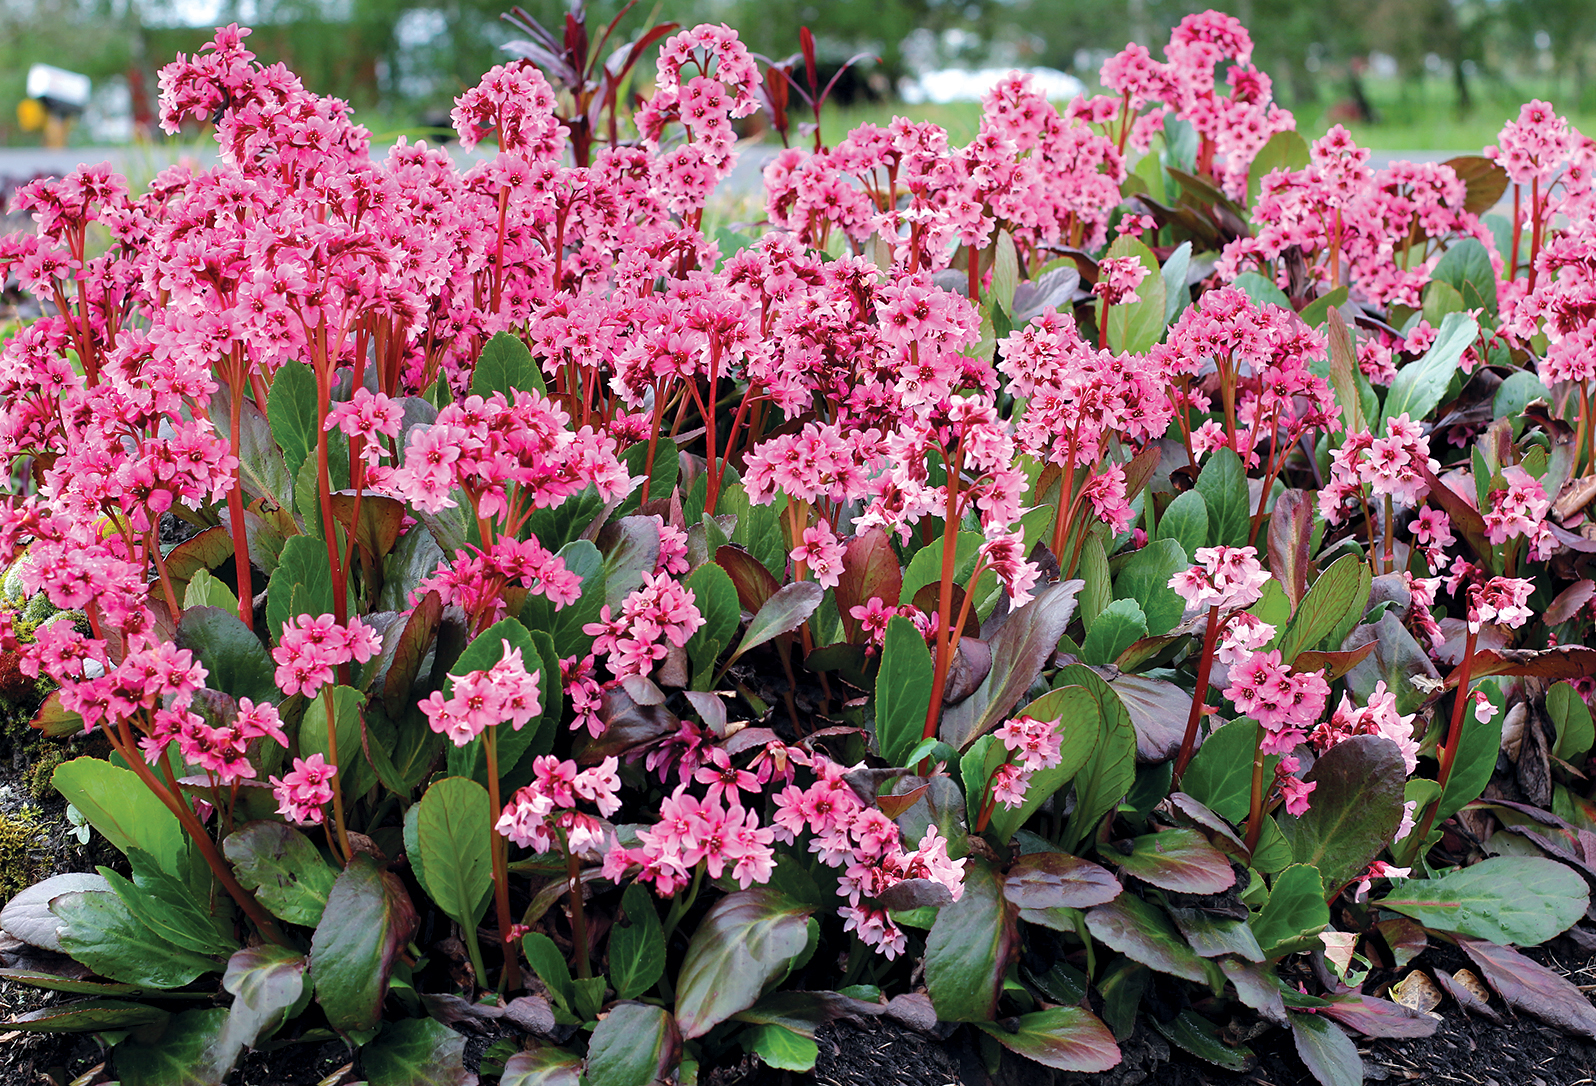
x=310 y=648
x=1118 y=278
x=1225 y=577
x=822 y=553
x=303 y=792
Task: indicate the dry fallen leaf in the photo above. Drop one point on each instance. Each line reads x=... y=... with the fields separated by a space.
x=1473 y=985
x=1417 y=991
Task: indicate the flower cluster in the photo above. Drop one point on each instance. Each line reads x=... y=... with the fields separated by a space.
x=1224 y=577
x=1032 y=745
x=506 y=692
x=310 y=648
x=543 y=815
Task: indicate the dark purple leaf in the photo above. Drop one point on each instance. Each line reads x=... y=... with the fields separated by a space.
x=1256 y=987
x=1057 y=880
x=1465 y=998
x=1484 y=181
x=1356 y=809
x=1157 y=710
x=753 y=581
x=743 y=942
x=915 y=894
x=1374 y=1017
x=626 y=725
x=1289 y=532
x=421 y=629
x=1528 y=986
x=368 y=920
x=869 y=569
x=1333 y=664
x=1559 y=662
x=1065 y=1038
x=1331 y=1056
x=1212 y=936
x=1179 y=859
x=1405 y=938
x=784 y=612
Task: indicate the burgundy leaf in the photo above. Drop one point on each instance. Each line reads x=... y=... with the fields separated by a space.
x=1289 y=532
x=869 y=569
x=753 y=581
x=1157 y=710
x=1374 y=1017
x=1179 y=859
x=1527 y=986
x=1052 y=880
x=1465 y=998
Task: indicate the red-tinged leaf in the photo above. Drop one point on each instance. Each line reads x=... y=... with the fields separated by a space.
x=783 y=613
x=869 y=569
x=1405 y=938
x=893 y=806
x=1020 y=650
x=1330 y=1055
x=1524 y=900
x=1256 y=987
x=1289 y=532
x=1213 y=936
x=1188 y=807
x=1484 y=181
x=1057 y=880
x=1144 y=934
x=207 y=550
x=1559 y=662
x=1334 y=664
x=1065 y=1038
x=381 y=520
x=1179 y=859
x=1528 y=986
x=1374 y=1017
x=1141 y=469
x=635 y=1043
x=968 y=949
x=915 y=894
x=753 y=581
x=1569 y=601
x=421 y=630
x=744 y=941
x=1465 y=998
x=1356 y=808
x=1466 y=519
x=86 y=1016
x=417 y=1052
x=547 y=1066
x=1157 y=710
x=368 y=920
x=54 y=720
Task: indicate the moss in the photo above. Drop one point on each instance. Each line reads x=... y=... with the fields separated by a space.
x=38 y=777
x=21 y=834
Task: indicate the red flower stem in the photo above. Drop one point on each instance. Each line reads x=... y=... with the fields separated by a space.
x=511 y=978
x=950 y=534
x=1188 y=742
x=1255 y=812
x=573 y=874
x=1454 y=733
x=235 y=496
x=337 y=784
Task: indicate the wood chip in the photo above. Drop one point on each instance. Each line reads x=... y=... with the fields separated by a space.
x=1417 y=991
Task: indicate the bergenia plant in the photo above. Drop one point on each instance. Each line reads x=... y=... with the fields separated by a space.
x=1077 y=583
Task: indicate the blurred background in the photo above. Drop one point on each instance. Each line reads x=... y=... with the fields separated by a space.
x=1402 y=74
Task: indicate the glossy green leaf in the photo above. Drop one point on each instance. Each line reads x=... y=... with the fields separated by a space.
x=1339 y=592
x=1110 y=771
x=283 y=869
x=368 y=920
x=633 y=1045
x=637 y=945
x=1186 y=521
x=661 y=480
x=505 y=365
x=191 y=1051
x=1097 y=588
x=416 y=1052
x=1571 y=717
x=1420 y=384
x=1356 y=808
x=715 y=596
x=173 y=916
x=1066 y=1038
x=551 y=968
x=1120 y=626
x=1223 y=485
x=356 y=774
x=1220 y=774
x=1520 y=900
x=1261 y=290
x=291 y=411
x=204 y=590
x=545 y=1066
x=1177 y=295
x=1466 y=265
x=1075 y=708
x=301 y=583
x=484 y=651
x=969 y=947
x=1145 y=578
x=1136 y=326
x=745 y=940
x=564 y=626
x=118 y=804
x=1194 y=1033
x=237 y=661
x=452 y=831
x=903 y=690
x=1316 y=312
x=99 y=930
x=1295 y=913
x=1516 y=393
x=780 y=1047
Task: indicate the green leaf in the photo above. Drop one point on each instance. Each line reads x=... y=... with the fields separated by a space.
x=283 y=869
x=632 y=1045
x=1220 y=774
x=1120 y=626
x=1575 y=732
x=1194 y=1033
x=903 y=690
x=301 y=584
x=564 y=626
x=1261 y=290
x=745 y=940
x=968 y=949
x=1357 y=806
x=1145 y=578
x=1514 y=394
x=1098 y=590
x=1440 y=300
x=87 y=1016
x=661 y=480
x=505 y=365
x=550 y=966
x=416 y=1052
x=1066 y=1038
x=926 y=565
x=1295 y=913
x=1144 y=934
x=175 y=918
x=976 y=769
x=100 y=931
x=637 y=945
x=1519 y=900
x=453 y=829
x=1285 y=151
x=1075 y=707
x=191 y=1051
x=1137 y=326
x=780 y=1047
x=238 y=663
x=267 y=983
x=716 y=598
x=546 y=1066
x=368 y=920
x=118 y=804
x=1108 y=775
x=1186 y=522
x=1466 y=265
x=291 y=411
x=1223 y=485
x=1328 y=1052
x=1340 y=591
x=355 y=772
x=204 y=590
x=1420 y=384
x=1212 y=936
x=1177 y=295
